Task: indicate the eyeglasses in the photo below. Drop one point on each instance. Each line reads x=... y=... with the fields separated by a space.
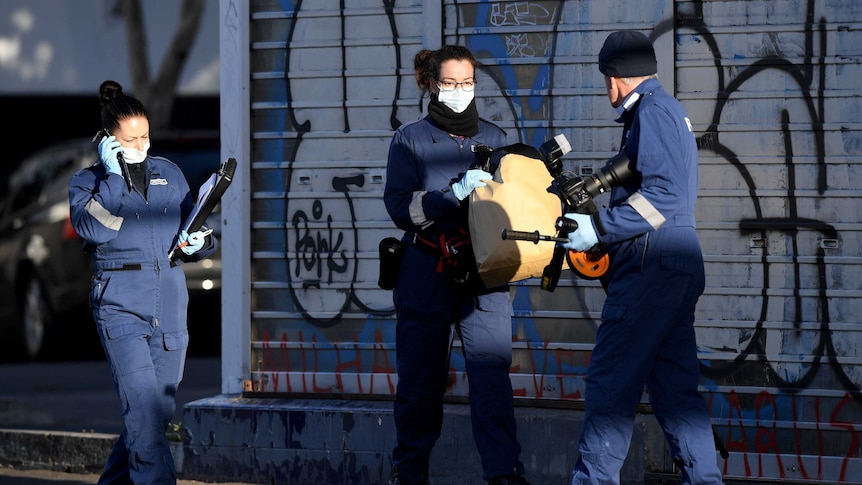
x=449 y=85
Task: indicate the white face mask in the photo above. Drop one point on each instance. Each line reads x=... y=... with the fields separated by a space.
x=456 y=100
x=130 y=155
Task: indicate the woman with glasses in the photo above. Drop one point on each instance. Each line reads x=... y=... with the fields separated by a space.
x=430 y=175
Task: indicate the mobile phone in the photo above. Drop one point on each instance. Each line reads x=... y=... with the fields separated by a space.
x=124 y=168
x=99 y=134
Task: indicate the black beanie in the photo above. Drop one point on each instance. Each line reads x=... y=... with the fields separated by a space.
x=627 y=53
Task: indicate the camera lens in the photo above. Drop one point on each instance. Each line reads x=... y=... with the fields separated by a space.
x=615 y=172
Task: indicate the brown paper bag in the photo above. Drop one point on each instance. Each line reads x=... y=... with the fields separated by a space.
x=518 y=200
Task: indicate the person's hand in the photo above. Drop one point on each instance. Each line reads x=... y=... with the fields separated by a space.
x=109 y=148
x=468 y=183
x=194 y=241
x=584 y=237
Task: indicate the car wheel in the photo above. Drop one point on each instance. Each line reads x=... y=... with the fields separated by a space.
x=35 y=318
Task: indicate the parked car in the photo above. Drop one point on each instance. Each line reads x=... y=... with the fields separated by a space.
x=45 y=273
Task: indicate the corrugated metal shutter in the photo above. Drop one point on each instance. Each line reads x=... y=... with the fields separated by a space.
x=772 y=90
x=328 y=87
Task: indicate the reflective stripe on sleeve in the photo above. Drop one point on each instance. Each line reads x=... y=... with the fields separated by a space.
x=417 y=213
x=102 y=215
x=646 y=210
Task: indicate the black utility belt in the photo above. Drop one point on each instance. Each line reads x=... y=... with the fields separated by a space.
x=134 y=267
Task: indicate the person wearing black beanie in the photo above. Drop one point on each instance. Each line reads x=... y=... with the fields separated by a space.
x=627 y=53
x=656 y=275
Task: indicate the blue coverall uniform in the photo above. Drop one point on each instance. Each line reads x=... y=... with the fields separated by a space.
x=655 y=278
x=423 y=162
x=139 y=302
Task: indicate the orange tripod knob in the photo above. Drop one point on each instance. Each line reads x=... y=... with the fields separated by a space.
x=589 y=266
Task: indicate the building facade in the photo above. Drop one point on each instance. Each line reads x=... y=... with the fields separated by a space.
x=312 y=91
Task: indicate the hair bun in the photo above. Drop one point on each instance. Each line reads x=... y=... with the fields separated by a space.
x=109 y=90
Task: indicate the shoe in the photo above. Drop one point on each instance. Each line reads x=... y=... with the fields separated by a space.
x=395 y=479
x=509 y=480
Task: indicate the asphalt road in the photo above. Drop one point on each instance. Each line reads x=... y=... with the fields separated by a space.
x=72 y=389
x=80 y=396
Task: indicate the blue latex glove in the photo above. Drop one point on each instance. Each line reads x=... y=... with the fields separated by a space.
x=109 y=148
x=195 y=241
x=584 y=237
x=472 y=179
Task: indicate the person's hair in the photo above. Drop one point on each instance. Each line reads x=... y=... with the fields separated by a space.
x=426 y=63
x=634 y=81
x=117 y=106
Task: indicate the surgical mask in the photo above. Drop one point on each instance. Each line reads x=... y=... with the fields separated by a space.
x=133 y=156
x=457 y=100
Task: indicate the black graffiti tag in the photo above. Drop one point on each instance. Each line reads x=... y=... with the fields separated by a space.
x=313 y=248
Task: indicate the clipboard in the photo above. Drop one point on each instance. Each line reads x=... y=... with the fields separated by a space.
x=209 y=195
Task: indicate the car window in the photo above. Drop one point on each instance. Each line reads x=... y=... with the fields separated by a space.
x=41 y=174
x=66 y=168
x=28 y=182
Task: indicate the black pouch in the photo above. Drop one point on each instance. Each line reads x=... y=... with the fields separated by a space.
x=391 y=252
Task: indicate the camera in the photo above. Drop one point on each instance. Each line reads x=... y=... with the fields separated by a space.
x=576 y=194
x=577 y=191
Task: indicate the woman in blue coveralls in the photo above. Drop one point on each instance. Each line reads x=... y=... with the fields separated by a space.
x=138 y=295
x=429 y=177
x=654 y=281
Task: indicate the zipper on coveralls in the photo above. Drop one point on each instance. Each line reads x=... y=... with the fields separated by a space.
x=459 y=140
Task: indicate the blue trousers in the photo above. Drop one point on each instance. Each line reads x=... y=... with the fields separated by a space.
x=145 y=343
x=647 y=338
x=422 y=336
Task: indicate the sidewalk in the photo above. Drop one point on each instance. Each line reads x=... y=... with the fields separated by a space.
x=12 y=476
x=65 y=416
x=31 y=457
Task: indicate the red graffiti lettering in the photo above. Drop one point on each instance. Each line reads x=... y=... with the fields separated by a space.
x=764 y=438
x=741 y=444
x=854 y=436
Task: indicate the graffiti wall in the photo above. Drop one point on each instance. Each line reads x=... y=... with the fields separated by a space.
x=773 y=92
x=779 y=218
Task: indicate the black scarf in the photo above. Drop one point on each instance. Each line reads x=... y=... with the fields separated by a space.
x=138 y=172
x=461 y=124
